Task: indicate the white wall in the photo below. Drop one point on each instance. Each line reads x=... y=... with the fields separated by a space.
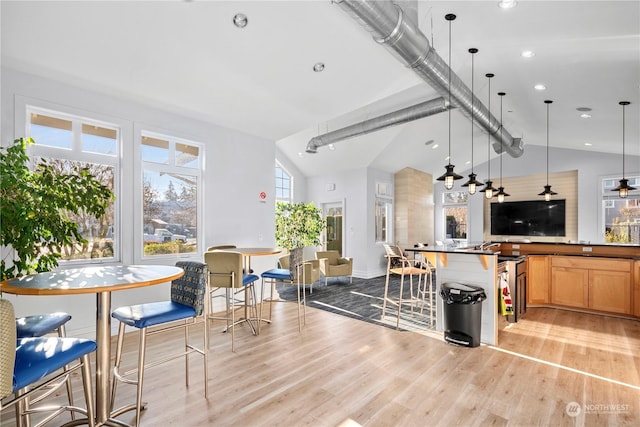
x=356 y=188
x=591 y=167
x=236 y=172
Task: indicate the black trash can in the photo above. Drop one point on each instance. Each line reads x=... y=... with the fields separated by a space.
x=462 y=313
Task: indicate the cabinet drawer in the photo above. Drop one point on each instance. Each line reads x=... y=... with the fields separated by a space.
x=590 y=263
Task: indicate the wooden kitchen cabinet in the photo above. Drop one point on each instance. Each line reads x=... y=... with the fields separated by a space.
x=570 y=286
x=636 y=288
x=538 y=279
x=601 y=284
x=610 y=291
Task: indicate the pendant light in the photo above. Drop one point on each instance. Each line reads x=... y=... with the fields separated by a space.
x=449 y=176
x=501 y=194
x=547 y=193
x=473 y=183
x=488 y=190
x=623 y=188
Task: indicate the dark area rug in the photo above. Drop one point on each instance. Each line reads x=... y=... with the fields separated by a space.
x=363 y=300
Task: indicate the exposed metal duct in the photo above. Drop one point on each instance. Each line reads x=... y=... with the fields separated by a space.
x=390 y=27
x=404 y=115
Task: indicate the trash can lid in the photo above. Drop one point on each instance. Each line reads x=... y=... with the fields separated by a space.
x=459 y=288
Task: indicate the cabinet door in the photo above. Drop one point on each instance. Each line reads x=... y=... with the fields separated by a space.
x=538 y=279
x=610 y=291
x=570 y=286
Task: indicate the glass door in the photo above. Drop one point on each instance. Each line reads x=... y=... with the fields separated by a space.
x=333 y=239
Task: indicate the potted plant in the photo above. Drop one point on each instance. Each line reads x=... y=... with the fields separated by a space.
x=298 y=225
x=35 y=207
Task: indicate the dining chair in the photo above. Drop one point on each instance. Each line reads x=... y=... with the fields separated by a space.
x=39 y=325
x=187 y=307
x=300 y=274
x=28 y=366
x=399 y=264
x=226 y=272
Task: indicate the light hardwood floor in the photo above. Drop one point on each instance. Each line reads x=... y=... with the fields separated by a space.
x=341 y=371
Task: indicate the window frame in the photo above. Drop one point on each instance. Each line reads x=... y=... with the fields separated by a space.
x=141 y=130
x=608 y=197
x=24 y=107
x=455 y=204
x=278 y=165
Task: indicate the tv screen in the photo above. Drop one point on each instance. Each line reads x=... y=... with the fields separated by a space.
x=529 y=218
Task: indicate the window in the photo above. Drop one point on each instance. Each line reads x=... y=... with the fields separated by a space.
x=384 y=216
x=621 y=216
x=68 y=141
x=172 y=173
x=283 y=185
x=454 y=204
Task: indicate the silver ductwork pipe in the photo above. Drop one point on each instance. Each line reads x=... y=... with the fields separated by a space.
x=390 y=27
x=404 y=115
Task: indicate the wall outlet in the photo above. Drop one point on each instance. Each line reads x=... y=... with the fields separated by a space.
x=516 y=253
x=515 y=246
x=587 y=249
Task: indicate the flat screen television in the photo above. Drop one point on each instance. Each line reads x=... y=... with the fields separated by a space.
x=529 y=218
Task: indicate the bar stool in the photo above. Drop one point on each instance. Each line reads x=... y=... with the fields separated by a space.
x=397 y=263
x=39 y=325
x=188 y=306
x=29 y=365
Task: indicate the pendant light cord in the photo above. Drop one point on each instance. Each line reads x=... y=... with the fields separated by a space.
x=547 y=143
x=449 y=110
x=489 y=133
x=472 y=99
x=501 y=143
x=623 y=105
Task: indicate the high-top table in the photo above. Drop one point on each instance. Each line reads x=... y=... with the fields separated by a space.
x=100 y=281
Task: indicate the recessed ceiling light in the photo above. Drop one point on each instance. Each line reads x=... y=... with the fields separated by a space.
x=318 y=67
x=583 y=109
x=507 y=4
x=332 y=147
x=434 y=146
x=528 y=54
x=240 y=20
x=588 y=144
x=300 y=154
x=585 y=116
x=540 y=86
x=468 y=162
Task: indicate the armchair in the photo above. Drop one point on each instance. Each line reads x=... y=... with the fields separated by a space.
x=333 y=265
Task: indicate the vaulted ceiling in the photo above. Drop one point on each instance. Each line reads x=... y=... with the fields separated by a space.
x=188 y=57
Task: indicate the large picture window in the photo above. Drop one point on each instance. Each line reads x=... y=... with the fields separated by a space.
x=172 y=173
x=68 y=141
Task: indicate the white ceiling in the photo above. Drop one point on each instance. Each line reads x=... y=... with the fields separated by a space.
x=188 y=57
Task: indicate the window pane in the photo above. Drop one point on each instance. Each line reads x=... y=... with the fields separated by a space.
x=622 y=220
x=187 y=156
x=155 y=150
x=96 y=139
x=97 y=231
x=170 y=213
x=51 y=131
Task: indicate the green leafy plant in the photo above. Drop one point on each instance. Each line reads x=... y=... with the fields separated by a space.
x=34 y=210
x=298 y=225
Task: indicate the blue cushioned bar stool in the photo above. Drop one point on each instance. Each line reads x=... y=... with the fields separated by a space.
x=30 y=365
x=39 y=325
x=188 y=306
x=225 y=272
